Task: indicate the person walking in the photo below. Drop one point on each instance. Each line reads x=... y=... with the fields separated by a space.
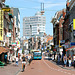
x=29 y=58
x=17 y=60
x=69 y=60
x=65 y=60
x=58 y=56
x=23 y=62
x=74 y=60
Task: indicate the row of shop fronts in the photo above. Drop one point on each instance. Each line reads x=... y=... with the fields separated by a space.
x=67 y=48
x=64 y=29
x=10 y=52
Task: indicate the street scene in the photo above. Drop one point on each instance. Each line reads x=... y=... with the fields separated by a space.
x=37 y=37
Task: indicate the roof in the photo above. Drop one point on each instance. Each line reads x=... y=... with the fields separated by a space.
x=3 y=50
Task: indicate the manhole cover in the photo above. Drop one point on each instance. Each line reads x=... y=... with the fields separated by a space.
x=32 y=68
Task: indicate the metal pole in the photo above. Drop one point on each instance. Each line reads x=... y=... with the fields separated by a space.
x=43 y=6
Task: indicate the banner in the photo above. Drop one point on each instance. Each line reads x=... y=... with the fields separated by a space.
x=73 y=24
x=1 y=24
x=8 y=34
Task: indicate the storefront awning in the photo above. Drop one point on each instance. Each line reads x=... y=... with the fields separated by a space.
x=71 y=48
x=3 y=50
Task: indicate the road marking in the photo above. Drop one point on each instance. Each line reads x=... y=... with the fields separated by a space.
x=69 y=73
x=56 y=69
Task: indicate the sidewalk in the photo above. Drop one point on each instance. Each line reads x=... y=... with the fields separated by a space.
x=10 y=69
x=62 y=65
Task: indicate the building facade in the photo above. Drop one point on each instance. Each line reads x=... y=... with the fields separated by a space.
x=16 y=15
x=33 y=25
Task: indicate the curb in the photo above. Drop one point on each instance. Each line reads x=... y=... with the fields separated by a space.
x=19 y=71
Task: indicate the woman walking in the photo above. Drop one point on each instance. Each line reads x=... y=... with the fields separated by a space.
x=65 y=60
x=69 y=60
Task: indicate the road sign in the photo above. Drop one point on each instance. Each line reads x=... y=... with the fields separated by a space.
x=6 y=9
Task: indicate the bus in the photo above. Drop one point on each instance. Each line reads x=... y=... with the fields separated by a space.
x=37 y=54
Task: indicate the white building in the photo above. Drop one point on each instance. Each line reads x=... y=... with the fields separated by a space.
x=33 y=25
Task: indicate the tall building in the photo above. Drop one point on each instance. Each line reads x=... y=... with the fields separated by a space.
x=34 y=25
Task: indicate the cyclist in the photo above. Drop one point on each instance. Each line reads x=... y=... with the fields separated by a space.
x=23 y=62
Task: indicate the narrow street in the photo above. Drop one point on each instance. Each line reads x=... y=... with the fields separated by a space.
x=45 y=67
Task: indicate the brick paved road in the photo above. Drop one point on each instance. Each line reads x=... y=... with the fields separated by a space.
x=45 y=67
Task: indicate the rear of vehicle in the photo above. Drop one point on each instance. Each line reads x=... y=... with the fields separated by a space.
x=37 y=55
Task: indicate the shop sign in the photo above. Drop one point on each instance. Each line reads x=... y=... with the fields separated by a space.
x=6 y=9
x=73 y=24
x=62 y=41
x=8 y=34
x=14 y=44
x=54 y=49
x=72 y=43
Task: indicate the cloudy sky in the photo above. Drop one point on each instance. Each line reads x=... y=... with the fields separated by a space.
x=30 y=7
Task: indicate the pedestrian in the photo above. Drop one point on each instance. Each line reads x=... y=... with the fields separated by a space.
x=29 y=58
x=58 y=57
x=53 y=57
x=65 y=60
x=5 y=58
x=17 y=60
x=69 y=60
x=74 y=60
x=13 y=58
x=23 y=62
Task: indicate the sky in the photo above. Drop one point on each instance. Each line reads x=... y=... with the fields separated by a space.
x=30 y=7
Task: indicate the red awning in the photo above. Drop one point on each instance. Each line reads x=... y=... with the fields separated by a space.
x=70 y=48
